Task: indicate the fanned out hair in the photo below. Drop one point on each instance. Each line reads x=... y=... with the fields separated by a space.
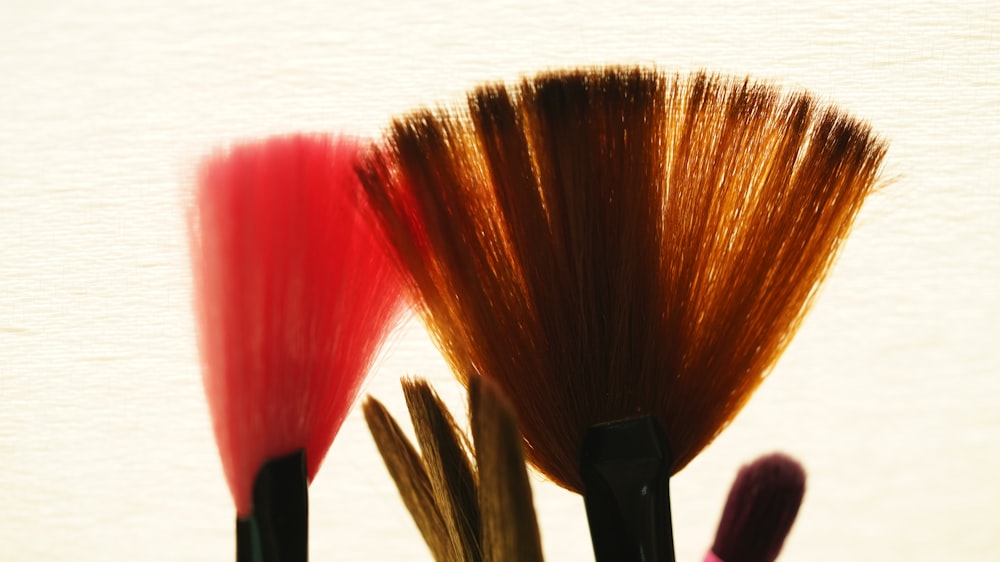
x=617 y=242
x=470 y=501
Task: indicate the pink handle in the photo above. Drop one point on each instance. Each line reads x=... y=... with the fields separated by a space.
x=711 y=557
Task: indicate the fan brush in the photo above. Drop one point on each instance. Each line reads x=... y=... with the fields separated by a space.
x=625 y=254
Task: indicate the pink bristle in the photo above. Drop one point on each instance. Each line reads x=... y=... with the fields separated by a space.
x=294 y=295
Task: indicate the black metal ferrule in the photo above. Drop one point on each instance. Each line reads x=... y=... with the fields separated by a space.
x=626 y=473
x=278 y=528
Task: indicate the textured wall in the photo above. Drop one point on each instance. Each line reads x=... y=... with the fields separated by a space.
x=889 y=394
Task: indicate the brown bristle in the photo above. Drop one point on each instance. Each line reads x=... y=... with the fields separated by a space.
x=468 y=505
x=510 y=528
x=414 y=485
x=609 y=243
x=447 y=453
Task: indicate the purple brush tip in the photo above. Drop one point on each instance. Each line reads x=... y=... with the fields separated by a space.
x=760 y=510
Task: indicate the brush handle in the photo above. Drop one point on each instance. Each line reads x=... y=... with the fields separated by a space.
x=278 y=528
x=711 y=557
x=626 y=473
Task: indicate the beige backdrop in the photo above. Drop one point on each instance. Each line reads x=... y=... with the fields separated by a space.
x=889 y=394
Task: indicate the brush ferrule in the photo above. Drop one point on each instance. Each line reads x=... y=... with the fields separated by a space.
x=278 y=528
x=626 y=473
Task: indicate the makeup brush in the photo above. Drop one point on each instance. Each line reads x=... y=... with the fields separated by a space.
x=510 y=529
x=760 y=510
x=625 y=253
x=469 y=502
x=408 y=471
x=294 y=296
x=447 y=456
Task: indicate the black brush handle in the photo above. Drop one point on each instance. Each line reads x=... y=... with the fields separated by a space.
x=626 y=474
x=278 y=528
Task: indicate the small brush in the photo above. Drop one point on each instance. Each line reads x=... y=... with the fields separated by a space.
x=294 y=296
x=760 y=510
x=470 y=502
x=625 y=253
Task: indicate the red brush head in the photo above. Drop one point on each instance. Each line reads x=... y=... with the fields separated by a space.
x=760 y=509
x=294 y=296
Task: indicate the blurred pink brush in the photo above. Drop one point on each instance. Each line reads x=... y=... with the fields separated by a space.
x=294 y=298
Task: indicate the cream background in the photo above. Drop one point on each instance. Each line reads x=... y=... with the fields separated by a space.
x=889 y=394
